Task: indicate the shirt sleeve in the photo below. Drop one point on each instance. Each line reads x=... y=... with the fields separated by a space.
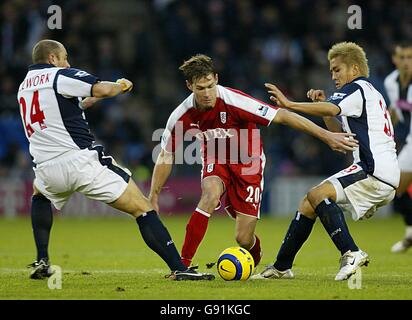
x=349 y=99
x=173 y=134
x=253 y=110
x=72 y=82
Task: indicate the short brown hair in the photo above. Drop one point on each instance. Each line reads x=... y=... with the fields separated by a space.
x=197 y=67
x=43 y=48
x=351 y=54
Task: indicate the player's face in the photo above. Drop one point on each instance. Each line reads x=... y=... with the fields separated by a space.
x=205 y=91
x=405 y=60
x=342 y=73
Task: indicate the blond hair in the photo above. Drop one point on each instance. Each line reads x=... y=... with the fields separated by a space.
x=351 y=54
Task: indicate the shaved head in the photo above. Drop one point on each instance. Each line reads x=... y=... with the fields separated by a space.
x=50 y=52
x=44 y=48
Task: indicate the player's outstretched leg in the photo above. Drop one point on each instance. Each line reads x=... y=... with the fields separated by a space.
x=42 y=220
x=154 y=233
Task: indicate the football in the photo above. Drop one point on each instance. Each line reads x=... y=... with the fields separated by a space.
x=235 y=263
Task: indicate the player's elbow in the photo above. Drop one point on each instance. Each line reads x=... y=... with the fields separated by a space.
x=332 y=110
x=282 y=117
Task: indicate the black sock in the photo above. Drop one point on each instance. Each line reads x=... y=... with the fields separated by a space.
x=403 y=205
x=299 y=230
x=158 y=239
x=41 y=220
x=334 y=222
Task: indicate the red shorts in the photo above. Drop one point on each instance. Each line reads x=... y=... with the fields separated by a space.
x=243 y=186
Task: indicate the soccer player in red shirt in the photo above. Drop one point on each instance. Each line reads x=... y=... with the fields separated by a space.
x=225 y=122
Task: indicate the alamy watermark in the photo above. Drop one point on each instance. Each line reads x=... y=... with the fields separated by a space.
x=355 y=18
x=55 y=21
x=355 y=281
x=55 y=280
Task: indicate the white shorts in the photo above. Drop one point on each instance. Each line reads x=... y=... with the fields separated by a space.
x=359 y=193
x=405 y=158
x=87 y=171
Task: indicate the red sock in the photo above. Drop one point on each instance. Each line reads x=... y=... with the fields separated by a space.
x=255 y=251
x=195 y=231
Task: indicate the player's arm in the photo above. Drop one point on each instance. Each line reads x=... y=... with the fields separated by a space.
x=333 y=124
x=319 y=108
x=337 y=141
x=72 y=82
x=86 y=103
x=107 y=89
x=161 y=173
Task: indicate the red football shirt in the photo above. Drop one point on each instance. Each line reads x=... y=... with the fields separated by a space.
x=227 y=132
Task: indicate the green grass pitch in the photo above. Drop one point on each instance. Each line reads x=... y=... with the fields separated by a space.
x=105 y=258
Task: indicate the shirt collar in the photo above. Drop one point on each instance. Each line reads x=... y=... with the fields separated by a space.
x=40 y=66
x=359 y=78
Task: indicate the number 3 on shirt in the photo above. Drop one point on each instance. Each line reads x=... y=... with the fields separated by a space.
x=388 y=125
x=36 y=114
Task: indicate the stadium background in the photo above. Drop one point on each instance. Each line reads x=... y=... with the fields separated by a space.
x=251 y=42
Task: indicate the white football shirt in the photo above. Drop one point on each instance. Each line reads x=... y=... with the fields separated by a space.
x=364 y=112
x=54 y=122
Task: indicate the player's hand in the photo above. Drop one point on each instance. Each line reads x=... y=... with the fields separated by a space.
x=154 y=200
x=341 y=141
x=316 y=95
x=277 y=96
x=127 y=85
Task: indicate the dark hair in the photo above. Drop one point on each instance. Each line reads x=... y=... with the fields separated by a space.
x=197 y=67
x=43 y=48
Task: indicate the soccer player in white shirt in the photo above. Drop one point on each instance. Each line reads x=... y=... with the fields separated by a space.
x=67 y=161
x=398 y=86
x=369 y=183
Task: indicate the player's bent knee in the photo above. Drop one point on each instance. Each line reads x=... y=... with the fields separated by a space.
x=317 y=194
x=209 y=200
x=306 y=209
x=132 y=201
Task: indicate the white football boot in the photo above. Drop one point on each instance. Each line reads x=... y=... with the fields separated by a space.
x=402 y=246
x=272 y=273
x=350 y=262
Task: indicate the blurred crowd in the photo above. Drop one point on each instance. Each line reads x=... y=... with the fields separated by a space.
x=251 y=42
